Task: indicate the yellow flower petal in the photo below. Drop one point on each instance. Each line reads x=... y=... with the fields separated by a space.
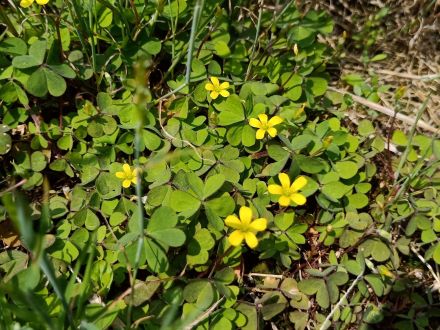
x=258 y=224
x=254 y=122
x=214 y=95
x=272 y=131
x=126 y=183
x=275 y=189
x=251 y=240
x=260 y=134
x=215 y=82
x=285 y=180
x=224 y=85
x=26 y=3
x=236 y=238
x=245 y=215
x=224 y=93
x=299 y=183
x=120 y=175
x=42 y=2
x=263 y=118
x=209 y=87
x=233 y=222
x=284 y=200
x=275 y=120
x=134 y=180
x=127 y=169
x=298 y=199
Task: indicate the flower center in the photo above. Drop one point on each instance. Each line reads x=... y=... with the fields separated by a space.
x=287 y=192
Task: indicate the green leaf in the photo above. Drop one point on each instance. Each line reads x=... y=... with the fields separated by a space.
x=222 y=206
x=399 y=138
x=107 y=185
x=199 y=246
x=5 y=143
x=378 y=57
x=346 y=169
x=311 y=165
x=335 y=190
x=25 y=61
x=151 y=140
x=376 y=248
x=206 y=296
x=38 y=161
x=182 y=201
x=91 y=221
x=63 y=70
x=12 y=262
x=357 y=201
x=106 y=18
x=64 y=250
x=231 y=111
x=317 y=85
x=221 y=48
x=172 y=236
x=13 y=46
x=212 y=184
x=284 y=220
x=300 y=319
x=37 y=50
x=161 y=227
x=152 y=47
x=55 y=83
x=37 y=83
x=436 y=254
x=376 y=283
x=156 y=258
x=273 y=304
x=366 y=128
x=248 y=136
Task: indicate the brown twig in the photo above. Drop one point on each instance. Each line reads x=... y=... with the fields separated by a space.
x=387 y=111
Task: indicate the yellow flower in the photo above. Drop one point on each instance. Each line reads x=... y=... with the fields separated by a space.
x=28 y=3
x=289 y=193
x=245 y=228
x=216 y=88
x=264 y=125
x=128 y=176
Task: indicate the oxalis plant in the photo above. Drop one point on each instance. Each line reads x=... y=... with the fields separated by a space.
x=181 y=165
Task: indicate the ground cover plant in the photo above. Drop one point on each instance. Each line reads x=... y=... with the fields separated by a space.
x=185 y=165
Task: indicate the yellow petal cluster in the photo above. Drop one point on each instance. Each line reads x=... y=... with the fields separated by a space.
x=216 y=88
x=289 y=193
x=128 y=175
x=245 y=228
x=265 y=125
x=28 y=3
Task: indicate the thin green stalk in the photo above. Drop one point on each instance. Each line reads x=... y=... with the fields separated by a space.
x=91 y=34
x=82 y=25
x=257 y=33
x=140 y=99
x=196 y=16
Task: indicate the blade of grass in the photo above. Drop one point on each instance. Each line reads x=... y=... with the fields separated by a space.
x=87 y=278
x=410 y=139
x=18 y=209
x=257 y=33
